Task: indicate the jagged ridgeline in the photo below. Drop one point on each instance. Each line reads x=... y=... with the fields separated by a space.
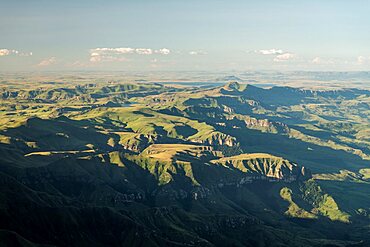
x=145 y=164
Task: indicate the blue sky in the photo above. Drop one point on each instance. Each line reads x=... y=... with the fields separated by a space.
x=172 y=35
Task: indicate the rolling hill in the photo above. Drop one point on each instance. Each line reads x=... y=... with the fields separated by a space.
x=146 y=164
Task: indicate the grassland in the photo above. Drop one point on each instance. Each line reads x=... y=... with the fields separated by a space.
x=184 y=165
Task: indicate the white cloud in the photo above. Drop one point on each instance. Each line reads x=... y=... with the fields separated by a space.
x=94 y=54
x=104 y=54
x=163 y=51
x=95 y=57
x=144 y=51
x=195 y=53
x=316 y=60
x=47 y=62
x=284 y=57
x=4 y=52
x=7 y=52
x=126 y=50
x=280 y=55
x=121 y=50
x=362 y=60
x=270 y=52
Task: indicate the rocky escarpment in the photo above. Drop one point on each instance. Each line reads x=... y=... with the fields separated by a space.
x=237 y=121
x=216 y=139
x=137 y=142
x=202 y=172
x=265 y=165
x=264 y=123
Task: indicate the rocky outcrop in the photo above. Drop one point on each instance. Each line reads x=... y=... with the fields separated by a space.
x=138 y=142
x=218 y=139
x=266 y=124
x=265 y=165
x=259 y=124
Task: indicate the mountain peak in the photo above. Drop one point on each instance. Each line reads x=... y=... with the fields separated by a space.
x=233 y=86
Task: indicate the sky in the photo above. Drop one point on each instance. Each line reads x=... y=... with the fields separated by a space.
x=187 y=35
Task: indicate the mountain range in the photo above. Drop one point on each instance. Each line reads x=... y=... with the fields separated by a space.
x=148 y=164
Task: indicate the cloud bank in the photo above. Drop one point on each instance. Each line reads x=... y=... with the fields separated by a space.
x=361 y=60
x=104 y=54
x=270 y=52
x=8 y=52
x=284 y=57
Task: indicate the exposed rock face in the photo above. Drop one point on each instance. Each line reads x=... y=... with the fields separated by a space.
x=265 y=165
x=204 y=177
x=219 y=139
x=228 y=109
x=266 y=124
x=138 y=143
x=258 y=122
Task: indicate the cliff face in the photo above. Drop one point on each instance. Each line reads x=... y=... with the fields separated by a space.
x=218 y=138
x=138 y=142
x=265 y=124
x=203 y=167
x=265 y=165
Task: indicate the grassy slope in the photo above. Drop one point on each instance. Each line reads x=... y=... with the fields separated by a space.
x=110 y=126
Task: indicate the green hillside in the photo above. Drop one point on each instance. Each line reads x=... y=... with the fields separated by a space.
x=146 y=164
